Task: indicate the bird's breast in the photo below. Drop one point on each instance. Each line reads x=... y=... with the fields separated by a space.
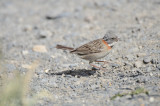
x=106 y=44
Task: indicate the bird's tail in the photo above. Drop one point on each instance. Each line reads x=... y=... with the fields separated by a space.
x=64 y=47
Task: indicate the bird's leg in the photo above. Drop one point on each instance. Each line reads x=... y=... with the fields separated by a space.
x=105 y=62
x=95 y=66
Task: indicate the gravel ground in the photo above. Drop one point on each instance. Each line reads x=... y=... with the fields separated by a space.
x=30 y=30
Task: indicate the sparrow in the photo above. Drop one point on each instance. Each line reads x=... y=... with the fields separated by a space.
x=94 y=50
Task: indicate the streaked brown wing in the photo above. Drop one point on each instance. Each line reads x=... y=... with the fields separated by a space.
x=95 y=46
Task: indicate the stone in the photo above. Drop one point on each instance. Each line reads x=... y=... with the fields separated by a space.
x=63 y=75
x=28 y=28
x=158 y=66
x=149 y=69
x=130 y=57
x=151 y=74
x=146 y=60
x=26 y=66
x=45 y=33
x=138 y=64
x=25 y=52
x=88 y=19
x=46 y=71
x=151 y=99
x=141 y=54
x=40 y=48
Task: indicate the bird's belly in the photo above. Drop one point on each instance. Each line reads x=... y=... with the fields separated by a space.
x=94 y=56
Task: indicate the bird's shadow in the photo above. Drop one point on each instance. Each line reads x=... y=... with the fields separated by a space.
x=76 y=72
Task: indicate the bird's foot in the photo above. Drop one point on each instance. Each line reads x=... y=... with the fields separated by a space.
x=96 y=67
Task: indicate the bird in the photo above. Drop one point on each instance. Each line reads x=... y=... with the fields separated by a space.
x=94 y=50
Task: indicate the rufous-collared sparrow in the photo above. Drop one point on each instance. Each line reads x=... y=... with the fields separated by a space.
x=95 y=49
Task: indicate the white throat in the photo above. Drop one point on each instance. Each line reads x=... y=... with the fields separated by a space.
x=112 y=44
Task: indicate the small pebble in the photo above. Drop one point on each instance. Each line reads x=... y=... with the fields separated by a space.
x=149 y=68
x=25 y=52
x=40 y=48
x=141 y=54
x=26 y=66
x=130 y=57
x=88 y=19
x=138 y=64
x=140 y=47
x=158 y=66
x=44 y=34
x=27 y=28
x=46 y=71
x=151 y=74
x=76 y=76
x=72 y=65
x=63 y=75
x=146 y=60
x=151 y=99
